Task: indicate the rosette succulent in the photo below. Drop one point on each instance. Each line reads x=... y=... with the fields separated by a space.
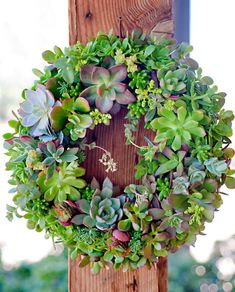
x=172 y=82
x=56 y=154
x=103 y=211
x=65 y=182
x=105 y=86
x=36 y=109
x=179 y=128
x=215 y=166
x=72 y=116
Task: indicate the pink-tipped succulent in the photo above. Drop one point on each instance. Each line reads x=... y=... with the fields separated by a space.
x=105 y=86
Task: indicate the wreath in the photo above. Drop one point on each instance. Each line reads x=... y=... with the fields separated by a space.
x=181 y=170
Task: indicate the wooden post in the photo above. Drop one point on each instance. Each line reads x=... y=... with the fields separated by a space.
x=86 y=18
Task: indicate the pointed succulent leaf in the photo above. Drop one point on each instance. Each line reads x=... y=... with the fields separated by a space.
x=95 y=184
x=86 y=73
x=107 y=183
x=104 y=104
x=181 y=113
x=199 y=132
x=78 y=219
x=179 y=202
x=83 y=206
x=100 y=75
x=89 y=222
x=68 y=157
x=106 y=193
x=51 y=148
x=125 y=98
x=118 y=72
x=90 y=94
x=124 y=225
x=166 y=167
x=77 y=183
x=156 y=213
x=116 y=204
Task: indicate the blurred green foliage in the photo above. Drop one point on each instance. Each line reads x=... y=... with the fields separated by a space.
x=185 y=273
x=48 y=275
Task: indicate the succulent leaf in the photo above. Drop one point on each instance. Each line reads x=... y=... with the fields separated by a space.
x=105 y=86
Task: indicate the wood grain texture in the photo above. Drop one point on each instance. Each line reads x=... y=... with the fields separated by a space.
x=86 y=18
x=143 y=280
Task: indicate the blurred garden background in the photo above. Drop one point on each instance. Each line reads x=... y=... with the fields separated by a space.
x=28 y=262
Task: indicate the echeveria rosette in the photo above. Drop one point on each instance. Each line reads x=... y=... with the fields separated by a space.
x=105 y=86
x=172 y=82
x=178 y=128
x=35 y=111
x=104 y=210
x=65 y=182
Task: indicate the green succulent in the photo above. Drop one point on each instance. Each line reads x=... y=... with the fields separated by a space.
x=200 y=150
x=104 y=211
x=65 y=182
x=34 y=160
x=178 y=128
x=169 y=160
x=77 y=125
x=105 y=86
x=196 y=172
x=137 y=217
x=172 y=82
x=180 y=185
x=72 y=117
x=99 y=118
x=137 y=213
x=163 y=186
x=56 y=155
x=18 y=149
x=215 y=166
x=196 y=212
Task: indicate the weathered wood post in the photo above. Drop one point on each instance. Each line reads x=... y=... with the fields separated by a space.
x=86 y=18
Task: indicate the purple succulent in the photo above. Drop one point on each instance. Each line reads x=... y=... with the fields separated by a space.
x=105 y=86
x=35 y=110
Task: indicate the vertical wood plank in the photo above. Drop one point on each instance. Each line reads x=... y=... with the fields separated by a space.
x=86 y=18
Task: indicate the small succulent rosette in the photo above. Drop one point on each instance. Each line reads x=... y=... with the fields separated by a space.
x=180 y=171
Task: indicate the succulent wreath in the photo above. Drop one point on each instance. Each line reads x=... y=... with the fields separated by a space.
x=182 y=169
